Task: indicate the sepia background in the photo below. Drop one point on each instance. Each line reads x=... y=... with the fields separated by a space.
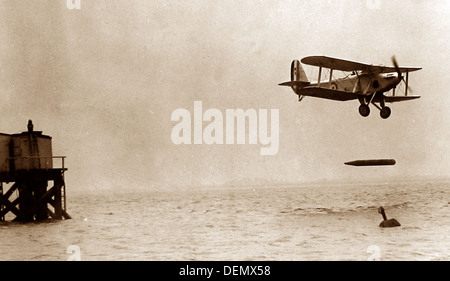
x=104 y=80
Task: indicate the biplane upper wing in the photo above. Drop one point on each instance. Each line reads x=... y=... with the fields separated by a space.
x=334 y=63
x=327 y=94
x=345 y=65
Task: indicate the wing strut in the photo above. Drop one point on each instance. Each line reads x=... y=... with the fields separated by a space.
x=331 y=76
x=357 y=85
x=406 y=81
x=368 y=86
x=320 y=75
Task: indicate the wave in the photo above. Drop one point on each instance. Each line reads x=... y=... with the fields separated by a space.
x=348 y=209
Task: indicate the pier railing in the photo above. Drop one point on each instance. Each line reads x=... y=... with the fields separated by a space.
x=27 y=163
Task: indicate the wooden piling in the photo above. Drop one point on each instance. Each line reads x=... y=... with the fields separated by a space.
x=34 y=202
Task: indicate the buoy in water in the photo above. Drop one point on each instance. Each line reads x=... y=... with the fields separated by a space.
x=386 y=222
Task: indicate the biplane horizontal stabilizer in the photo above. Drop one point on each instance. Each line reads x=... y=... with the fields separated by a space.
x=294 y=83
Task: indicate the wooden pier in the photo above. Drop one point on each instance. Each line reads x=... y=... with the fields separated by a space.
x=25 y=175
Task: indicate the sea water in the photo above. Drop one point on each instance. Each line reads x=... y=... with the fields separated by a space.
x=268 y=223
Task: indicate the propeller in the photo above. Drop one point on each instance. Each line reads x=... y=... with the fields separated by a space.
x=399 y=73
x=397 y=68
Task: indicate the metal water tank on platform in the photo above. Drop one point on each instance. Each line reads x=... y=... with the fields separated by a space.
x=5 y=140
x=31 y=151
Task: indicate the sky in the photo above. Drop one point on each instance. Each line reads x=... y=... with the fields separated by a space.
x=104 y=80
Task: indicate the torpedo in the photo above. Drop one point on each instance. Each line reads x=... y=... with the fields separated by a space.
x=372 y=162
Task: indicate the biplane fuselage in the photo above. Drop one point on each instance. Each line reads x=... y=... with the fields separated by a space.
x=366 y=83
x=363 y=83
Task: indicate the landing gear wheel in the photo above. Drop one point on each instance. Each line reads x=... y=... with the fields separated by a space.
x=385 y=112
x=364 y=110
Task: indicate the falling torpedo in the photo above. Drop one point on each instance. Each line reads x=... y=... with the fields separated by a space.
x=373 y=162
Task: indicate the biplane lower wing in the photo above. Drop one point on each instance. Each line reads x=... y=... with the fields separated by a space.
x=327 y=94
x=399 y=98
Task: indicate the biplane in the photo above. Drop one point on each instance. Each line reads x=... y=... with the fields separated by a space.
x=365 y=83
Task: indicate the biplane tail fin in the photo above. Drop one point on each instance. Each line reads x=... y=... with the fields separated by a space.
x=299 y=80
x=297 y=72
